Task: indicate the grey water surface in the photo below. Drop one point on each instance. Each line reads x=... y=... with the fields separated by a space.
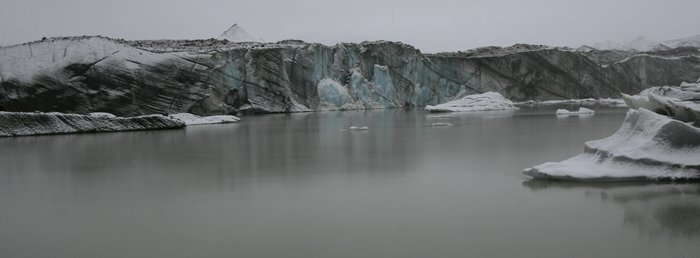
x=302 y=185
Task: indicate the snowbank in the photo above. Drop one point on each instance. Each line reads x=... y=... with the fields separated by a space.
x=581 y=111
x=191 y=119
x=647 y=146
x=489 y=101
x=27 y=123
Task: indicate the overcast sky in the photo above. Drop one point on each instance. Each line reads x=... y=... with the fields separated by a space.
x=430 y=25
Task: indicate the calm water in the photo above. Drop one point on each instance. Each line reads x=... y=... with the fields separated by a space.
x=302 y=186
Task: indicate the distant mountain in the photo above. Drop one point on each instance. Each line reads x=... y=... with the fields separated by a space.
x=692 y=41
x=640 y=43
x=237 y=34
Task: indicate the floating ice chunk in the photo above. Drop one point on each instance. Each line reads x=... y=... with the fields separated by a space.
x=191 y=119
x=647 y=146
x=489 y=101
x=442 y=117
x=686 y=91
x=685 y=111
x=358 y=128
x=581 y=111
x=102 y=114
x=612 y=102
x=441 y=124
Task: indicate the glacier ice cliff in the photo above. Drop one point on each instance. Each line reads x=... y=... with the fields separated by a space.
x=220 y=77
x=29 y=123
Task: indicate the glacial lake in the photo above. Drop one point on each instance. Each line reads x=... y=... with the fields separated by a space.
x=302 y=185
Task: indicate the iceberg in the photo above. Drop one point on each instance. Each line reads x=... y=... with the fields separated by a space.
x=358 y=128
x=685 y=111
x=686 y=91
x=647 y=146
x=489 y=101
x=191 y=119
x=36 y=123
x=581 y=111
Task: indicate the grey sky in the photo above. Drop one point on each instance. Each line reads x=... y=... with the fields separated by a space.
x=434 y=25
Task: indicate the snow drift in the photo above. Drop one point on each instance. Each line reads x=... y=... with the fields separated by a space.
x=489 y=101
x=26 y=123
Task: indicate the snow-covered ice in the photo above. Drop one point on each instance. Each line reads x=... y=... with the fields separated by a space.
x=191 y=119
x=686 y=91
x=685 y=111
x=647 y=146
x=581 y=111
x=489 y=101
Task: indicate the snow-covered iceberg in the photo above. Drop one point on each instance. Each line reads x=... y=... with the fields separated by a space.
x=489 y=101
x=191 y=119
x=35 y=123
x=685 y=111
x=686 y=91
x=647 y=146
x=581 y=111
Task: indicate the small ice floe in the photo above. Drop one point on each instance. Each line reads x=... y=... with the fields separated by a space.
x=489 y=101
x=358 y=128
x=441 y=124
x=612 y=102
x=191 y=119
x=582 y=111
x=102 y=114
x=442 y=117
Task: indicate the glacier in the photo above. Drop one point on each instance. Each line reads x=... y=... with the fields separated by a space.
x=221 y=77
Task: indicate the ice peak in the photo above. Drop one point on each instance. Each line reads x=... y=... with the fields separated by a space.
x=237 y=34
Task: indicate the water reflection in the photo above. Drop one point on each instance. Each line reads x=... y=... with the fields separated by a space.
x=657 y=209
